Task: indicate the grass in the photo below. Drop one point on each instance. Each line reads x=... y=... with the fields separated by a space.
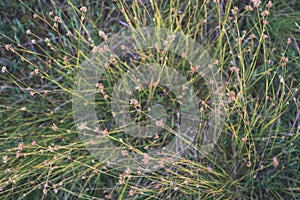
x=256 y=155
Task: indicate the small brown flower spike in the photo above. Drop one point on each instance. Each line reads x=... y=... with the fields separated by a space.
x=102 y=34
x=269 y=4
x=83 y=9
x=54 y=127
x=5 y=159
x=4 y=69
x=256 y=3
x=275 y=162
